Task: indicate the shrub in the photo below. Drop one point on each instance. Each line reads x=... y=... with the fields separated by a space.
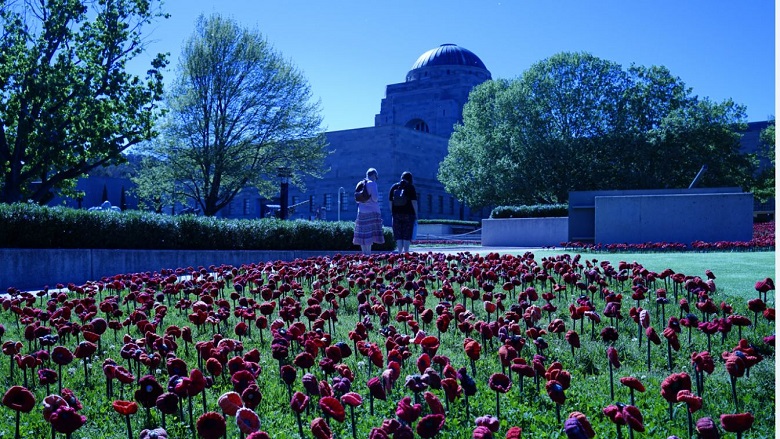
x=536 y=211
x=33 y=226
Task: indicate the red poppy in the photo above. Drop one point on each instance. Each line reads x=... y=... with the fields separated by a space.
x=304 y=360
x=211 y=425
x=71 y=399
x=499 y=382
x=148 y=391
x=251 y=396
x=247 y=420
x=376 y=388
x=167 y=403
x=488 y=421
x=514 y=433
x=230 y=402
x=765 y=285
x=299 y=402
x=573 y=338
x=65 y=419
x=481 y=432
x=241 y=380
x=735 y=365
x=672 y=384
x=584 y=423
x=671 y=337
x=157 y=433
x=430 y=425
x=633 y=383
x=214 y=367
x=125 y=408
x=451 y=389
x=20 y=399
x=555 y=391
x=703 y=361
x=85 y=349
x=434 y=404
x=707 y=429
x=736 y=423
x=259 y=435
x=352 y=399
x=320 y=429
x=61 y=355
x=472 y=349
x=693 y=402
x=52 y=403
x=652 y=335
x=612 y=356
x=47 y=376
x=406 y=411
x=332 y=407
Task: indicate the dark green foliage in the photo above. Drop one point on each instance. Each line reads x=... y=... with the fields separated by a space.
x=536 y=211
x=32 y=226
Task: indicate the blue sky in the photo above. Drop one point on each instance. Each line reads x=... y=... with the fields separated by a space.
x=349 y=51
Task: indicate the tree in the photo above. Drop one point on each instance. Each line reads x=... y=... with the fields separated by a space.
x=68 y=104
x=578 y=122
x=238 y=113
x=765 y=182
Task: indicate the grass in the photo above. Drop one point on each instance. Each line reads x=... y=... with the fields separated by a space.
x=533 y=411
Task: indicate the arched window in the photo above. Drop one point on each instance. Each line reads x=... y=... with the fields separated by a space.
x=418 y=125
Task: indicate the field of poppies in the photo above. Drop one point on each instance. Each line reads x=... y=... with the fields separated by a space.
x=393 y=346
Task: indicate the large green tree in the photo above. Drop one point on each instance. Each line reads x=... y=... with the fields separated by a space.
x=765 y=182
x=578 y=122
x=238 y=112
x=67 y=102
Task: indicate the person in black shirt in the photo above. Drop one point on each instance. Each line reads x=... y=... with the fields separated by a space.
x=403 y=202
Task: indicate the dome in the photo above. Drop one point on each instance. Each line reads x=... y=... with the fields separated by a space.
x=448 y=55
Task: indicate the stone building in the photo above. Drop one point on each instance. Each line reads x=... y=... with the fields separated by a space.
x=410 y=133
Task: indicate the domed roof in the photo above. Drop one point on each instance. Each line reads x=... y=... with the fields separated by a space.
x=448 y=55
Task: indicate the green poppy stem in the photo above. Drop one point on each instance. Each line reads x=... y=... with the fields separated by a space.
x=129 y=427
x=734 y=393
x=18 y=414
x=690 y=424
x=611 y=383
x=300 y=425
x=354 y=427
x=498 y=406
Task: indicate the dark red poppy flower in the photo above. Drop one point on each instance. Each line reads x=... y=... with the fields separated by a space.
x=85 y=349
x=310 y=384
x=50 y=404
x=332 y=407
x=632 y=383
x=148 y=391
x=71 y=399
x=241 y=380
x=167 y=403
x=157 y=433
x=452 y=389
x=406 y=411
x=707 y=429
x=20 y=399
x=251 y=396
x=672 y=384
x=693 y=402
x=259 y=435
x=299 y=402
x=434 y=404
x=555 y=391
x=377 y=433
x=671 y=337
x=230 y=402
x=247 y=420
x=211 y=425
x=577 y=426
x=467 y=382
x=612 y=356
x=65 y=419
x=352 y=399
x=47 y=376
x=61 y=355
x=214 y=367
x=125 y=408
x=491 y=422
x=735 y=364
x=703 y=361
x=430 y=425
x=320 y=429
x=514 y=433
x=481 y=432
x=376 y=388
x=736 y=423
x=573 y=338
x=472 y=349
x=304 y=360
x=609 y=334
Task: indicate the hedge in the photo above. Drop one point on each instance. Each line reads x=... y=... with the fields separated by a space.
x=536 y=211
x=33 y=226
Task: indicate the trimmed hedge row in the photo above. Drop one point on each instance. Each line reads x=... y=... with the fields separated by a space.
x=33 y=226
x=449 y=222
x=536 y=211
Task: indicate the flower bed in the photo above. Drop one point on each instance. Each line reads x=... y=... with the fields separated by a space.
x=417 y=345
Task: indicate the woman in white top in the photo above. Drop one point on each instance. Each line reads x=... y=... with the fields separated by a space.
x=368 y=225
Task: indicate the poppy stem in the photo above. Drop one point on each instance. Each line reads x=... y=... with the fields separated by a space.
x=631 y=392
x=619 y=431
x=611 y=383
x=18 y=414
x=669 y=354
x=558 y=412
x=690 y=424
x=129 y=427
x=648 y=357
x=354 y=427
x=300 y=425
x=734 y=393
x=498 y=406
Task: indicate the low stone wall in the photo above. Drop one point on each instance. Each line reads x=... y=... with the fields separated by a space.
x=32 y=269
x=524 y=232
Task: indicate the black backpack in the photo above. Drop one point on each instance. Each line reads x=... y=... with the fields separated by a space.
x=361 y=191
x=399 y=196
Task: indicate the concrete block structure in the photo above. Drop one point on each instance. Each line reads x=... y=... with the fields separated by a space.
x=664 y=215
